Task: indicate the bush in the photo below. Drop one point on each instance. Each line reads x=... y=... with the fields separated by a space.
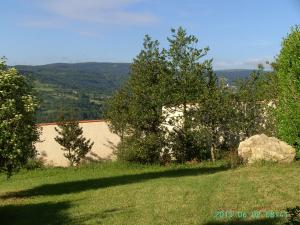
x=34 y=163
x=195 y=141
x=141 y=150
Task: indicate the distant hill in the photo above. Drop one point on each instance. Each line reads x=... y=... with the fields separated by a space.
x=233 y=74
x=97 y=77
x=92 y=77
x=82 y=88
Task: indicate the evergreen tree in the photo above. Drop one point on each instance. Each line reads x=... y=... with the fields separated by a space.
x=189 y=76
x=217 y=116
x=135 y=112
x=74 y=144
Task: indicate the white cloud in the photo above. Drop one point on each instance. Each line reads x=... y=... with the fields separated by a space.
x=246 y=64
x=100 y=11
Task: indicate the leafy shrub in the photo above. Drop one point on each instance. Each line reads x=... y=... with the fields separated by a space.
x=34 y=163
x=141 y=150
x=190 y=145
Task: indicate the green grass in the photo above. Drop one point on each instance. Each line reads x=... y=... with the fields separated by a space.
x=115 y=193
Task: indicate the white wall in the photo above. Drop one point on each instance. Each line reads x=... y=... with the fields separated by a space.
x=97 y=131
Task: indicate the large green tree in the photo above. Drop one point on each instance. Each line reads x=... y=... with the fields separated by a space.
x=228 y=115
x=287 y=67
x=217 y=116
x=189 y=78
x=256 y=99
x=173 y=104
x=18 y=131
x=135 y=111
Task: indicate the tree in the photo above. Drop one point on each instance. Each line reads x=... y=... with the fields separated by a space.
x=217 y=115
x=228 y=115
x=189 y=77
x=71 y=139
x=117 y=111
x=135 y=111
x=256 y=97
x=287 y=67
x=18 y=131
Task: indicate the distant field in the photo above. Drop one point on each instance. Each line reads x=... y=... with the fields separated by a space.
x=54 y=100
x=115 y=193
x=79 y=88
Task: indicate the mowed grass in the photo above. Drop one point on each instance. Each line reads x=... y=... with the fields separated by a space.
x=118 y=193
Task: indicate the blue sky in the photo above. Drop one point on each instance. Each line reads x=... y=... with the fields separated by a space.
x=240 y=33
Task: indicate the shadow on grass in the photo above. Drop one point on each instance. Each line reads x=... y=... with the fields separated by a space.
x=30 y=214
x=266 y=221
x=49 y=214
x=92 y=184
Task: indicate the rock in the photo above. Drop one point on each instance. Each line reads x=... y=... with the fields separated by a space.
x=262 y=147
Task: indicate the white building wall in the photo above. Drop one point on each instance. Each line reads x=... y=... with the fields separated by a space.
x=97 y=131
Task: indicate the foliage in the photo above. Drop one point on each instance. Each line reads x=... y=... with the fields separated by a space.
x=134 y=112
x=217 y=114
x=210 y=115
x=187 y=85
x=233 y=114
x=192 y=145
x=34 y=163
x=54 y=100
x=287 y=67
x=82 y=87
x=74 y=144
x=256 y=97
x=18 y=131
x=140 y=150
x=117 y=111
x=94 y=77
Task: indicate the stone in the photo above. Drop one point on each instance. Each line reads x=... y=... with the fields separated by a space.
x=264 y=148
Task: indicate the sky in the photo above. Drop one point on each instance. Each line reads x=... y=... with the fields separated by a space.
x=239 y=33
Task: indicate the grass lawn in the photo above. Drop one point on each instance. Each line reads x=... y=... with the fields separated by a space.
x=116 y=193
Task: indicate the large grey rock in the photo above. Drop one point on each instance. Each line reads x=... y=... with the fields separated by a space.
x=262 y=147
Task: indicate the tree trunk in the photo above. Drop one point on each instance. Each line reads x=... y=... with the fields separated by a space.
x=212 y=153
